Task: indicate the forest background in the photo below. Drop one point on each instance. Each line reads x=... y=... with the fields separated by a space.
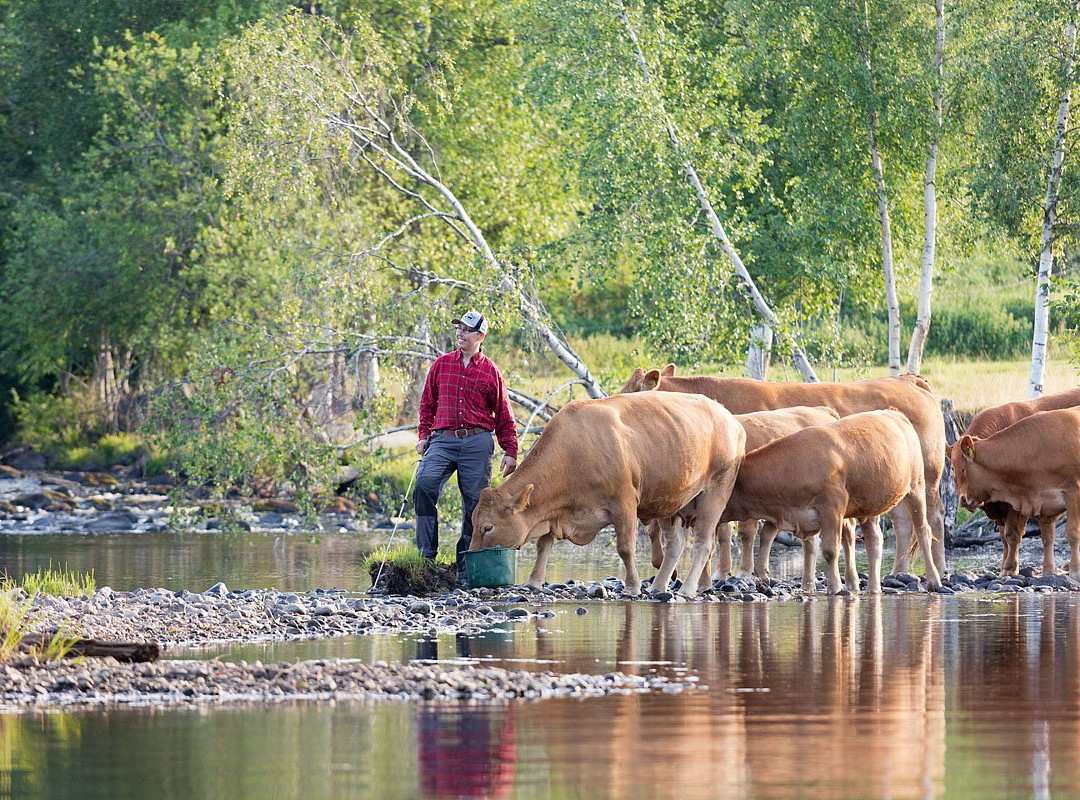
x=233 y=233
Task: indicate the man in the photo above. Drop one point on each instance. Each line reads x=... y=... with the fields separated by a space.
x=464 y=402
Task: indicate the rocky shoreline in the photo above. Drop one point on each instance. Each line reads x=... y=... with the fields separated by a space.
x=92 y=502
x=29 y=685
x=103 y=502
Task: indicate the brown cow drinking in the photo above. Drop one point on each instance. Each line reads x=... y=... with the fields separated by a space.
x=1011 y=522
x=910 y=394
x=613 y=461
x=1033 y=466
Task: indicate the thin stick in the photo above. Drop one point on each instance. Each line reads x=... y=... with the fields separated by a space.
x=401 y=511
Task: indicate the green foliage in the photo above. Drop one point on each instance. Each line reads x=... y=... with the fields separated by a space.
x=59 y=582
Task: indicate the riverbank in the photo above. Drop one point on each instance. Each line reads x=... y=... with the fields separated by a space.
x=103 y=502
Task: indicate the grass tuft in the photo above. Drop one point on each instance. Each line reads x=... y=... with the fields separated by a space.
x=59 y=582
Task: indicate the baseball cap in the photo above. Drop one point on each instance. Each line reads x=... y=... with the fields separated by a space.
x=473 y=320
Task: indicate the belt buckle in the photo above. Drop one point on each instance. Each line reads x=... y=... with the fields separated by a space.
x=461 y=433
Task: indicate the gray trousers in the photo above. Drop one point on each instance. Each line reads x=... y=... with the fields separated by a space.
x=471 y=458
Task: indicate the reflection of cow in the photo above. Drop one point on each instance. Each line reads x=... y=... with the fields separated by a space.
x=1011 y=522
x=858 y=467
x=910 y=394
x=610 y=462
x=1032 y=466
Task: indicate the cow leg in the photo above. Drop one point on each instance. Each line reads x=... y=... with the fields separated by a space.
x=748 y=529
x=1072 y=529
x=916 y=508
x=674 y=536
x=656 y=543
x=710 y=507
x=1011 y=534
x=625 y=544
x=935 y=518
x=723 y=548
x=543 y=550
x=847 y=542
x=809 y=563
x=1047 y=528
x=902 y=529
x=765 y=543
x=830 y=539
x=871 y=529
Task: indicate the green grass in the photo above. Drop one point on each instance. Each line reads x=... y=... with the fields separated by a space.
x=408 y=559
x=15 y=625
x=57 y=582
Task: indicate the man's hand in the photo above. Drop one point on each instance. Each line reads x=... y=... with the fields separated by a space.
x=509 y=464
x=421 y=446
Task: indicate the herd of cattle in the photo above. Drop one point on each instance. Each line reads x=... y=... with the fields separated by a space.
x=701 y=453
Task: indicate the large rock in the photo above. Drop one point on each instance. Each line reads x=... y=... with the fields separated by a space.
x=112 y=522
x=277 y=504
x=25 y=459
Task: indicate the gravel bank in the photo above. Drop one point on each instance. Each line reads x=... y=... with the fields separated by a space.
x=27 y=685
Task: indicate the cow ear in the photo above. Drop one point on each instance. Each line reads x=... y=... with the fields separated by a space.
x=967 y=447
x=522 y=501
x=668 y=371
x=651 y=380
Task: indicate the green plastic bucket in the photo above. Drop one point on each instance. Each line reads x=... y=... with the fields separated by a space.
x=491 y=566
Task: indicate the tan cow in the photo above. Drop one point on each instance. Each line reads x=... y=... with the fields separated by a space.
x=858 y=467
x=761 y=428
x=1034 y=466
x=610 y=462
x=1010 y=522
x=909 y=393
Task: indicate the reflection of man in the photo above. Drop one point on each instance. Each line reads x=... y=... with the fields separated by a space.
x=464 y=401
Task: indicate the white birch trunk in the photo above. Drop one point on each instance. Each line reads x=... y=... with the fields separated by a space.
x=759 y=352
x=926 y=280
x=761 y=305
x=1046 y=252
x=891 y=303
x=378 y=137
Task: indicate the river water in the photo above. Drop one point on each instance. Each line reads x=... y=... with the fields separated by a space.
x=887 y=697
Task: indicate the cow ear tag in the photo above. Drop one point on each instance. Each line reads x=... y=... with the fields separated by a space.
x=652 y=380
x=968 y=449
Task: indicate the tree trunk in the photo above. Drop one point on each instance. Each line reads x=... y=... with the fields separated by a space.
x=760 y=305
x=416 y=372
x=891 y=303
x=1046 y=254
x=759 y=352
x=926 y=281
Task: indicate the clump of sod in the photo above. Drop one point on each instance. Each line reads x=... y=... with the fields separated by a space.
x=408 y=572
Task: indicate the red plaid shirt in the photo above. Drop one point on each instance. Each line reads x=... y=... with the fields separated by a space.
x=456 y=396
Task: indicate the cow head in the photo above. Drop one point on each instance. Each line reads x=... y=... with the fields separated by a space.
x=499 y=520
x=646 y=381
x=967 y=473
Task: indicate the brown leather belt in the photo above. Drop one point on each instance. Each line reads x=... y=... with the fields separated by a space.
x=461 y=433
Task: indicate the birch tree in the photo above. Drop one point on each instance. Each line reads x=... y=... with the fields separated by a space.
x=324 y=78
x=1050 y=216
x=930 y=222
x=1025 y=82
x=891 y=303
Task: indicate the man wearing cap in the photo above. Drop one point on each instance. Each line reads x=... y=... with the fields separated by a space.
x=464 y=402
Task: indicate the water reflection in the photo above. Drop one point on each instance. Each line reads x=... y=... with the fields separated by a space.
x=463 y=749
x=876 y=697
